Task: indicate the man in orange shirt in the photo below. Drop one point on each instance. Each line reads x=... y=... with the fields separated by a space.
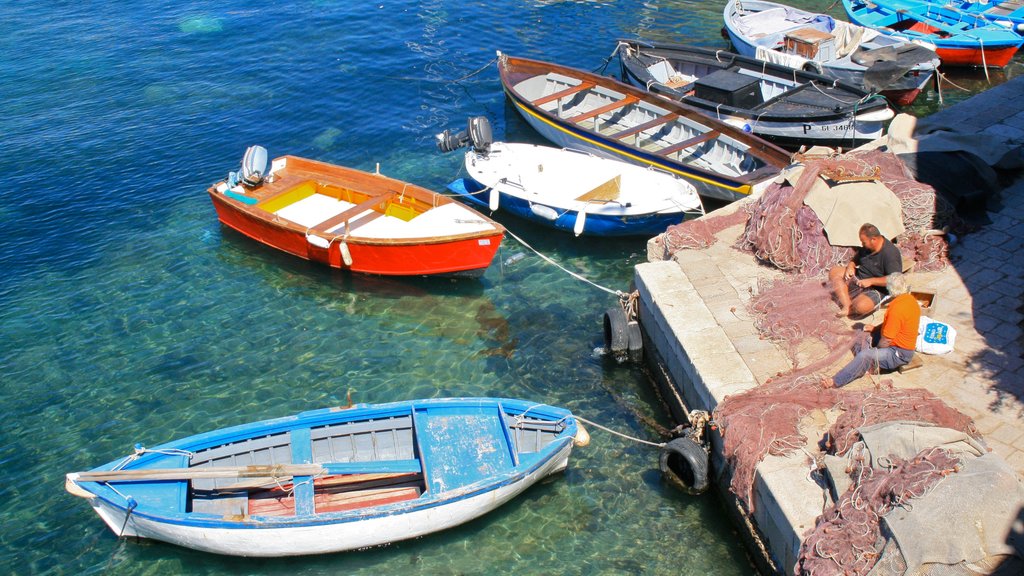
x=893 y=342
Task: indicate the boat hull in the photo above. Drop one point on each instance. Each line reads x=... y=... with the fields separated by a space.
x=466 y=257
x=358 y=221
x=334 y=479
x=566 y=219
x=261 y=540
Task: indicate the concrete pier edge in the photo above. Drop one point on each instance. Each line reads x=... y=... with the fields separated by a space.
x=701 y=347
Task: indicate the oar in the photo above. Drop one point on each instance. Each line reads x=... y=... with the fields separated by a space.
x=274 y=471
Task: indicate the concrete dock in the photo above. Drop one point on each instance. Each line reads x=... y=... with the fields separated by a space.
x=703 y=342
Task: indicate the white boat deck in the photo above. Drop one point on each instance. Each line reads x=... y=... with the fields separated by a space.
x=446 y=220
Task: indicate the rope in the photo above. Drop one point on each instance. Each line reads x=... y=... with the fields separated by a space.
x=620 y=434
x=442 y=80
x=600 y=69
x=563 y=268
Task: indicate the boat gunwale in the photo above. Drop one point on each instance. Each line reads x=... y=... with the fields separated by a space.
x=767 y=153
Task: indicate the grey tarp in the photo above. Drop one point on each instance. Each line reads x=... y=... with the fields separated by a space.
x=969 y=518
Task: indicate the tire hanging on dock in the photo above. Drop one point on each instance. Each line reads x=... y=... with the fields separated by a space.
x=684 y=463
x=622 y=338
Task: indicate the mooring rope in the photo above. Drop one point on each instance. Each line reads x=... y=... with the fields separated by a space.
x=563 y=268
x=620 y=434
x=443 y=80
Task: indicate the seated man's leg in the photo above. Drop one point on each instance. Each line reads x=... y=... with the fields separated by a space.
x=870 y=359
x=841 y=288
x=865 y=302
x=856 y=368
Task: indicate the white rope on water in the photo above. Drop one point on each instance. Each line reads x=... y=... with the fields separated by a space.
x=620 y=434
x=563 y=268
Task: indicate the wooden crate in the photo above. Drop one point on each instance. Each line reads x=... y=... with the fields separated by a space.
x=810 y=43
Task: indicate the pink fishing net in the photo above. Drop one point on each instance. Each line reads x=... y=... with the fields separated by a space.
x=847 y=539
x=781 y=230
x=797 y=311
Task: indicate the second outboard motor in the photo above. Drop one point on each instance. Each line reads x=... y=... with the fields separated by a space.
x=477 y=133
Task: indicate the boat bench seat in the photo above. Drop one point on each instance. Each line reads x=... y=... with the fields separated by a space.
x=337 y=220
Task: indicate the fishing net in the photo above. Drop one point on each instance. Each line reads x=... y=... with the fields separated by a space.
x=914 y=404
x=785 y=232
x=698 y=233
x=847 y=539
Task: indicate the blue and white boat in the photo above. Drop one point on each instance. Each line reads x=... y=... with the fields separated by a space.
x=333 y=479
x=960 y=38
x=776 y=33
x=1008 y=13
x=566 y=189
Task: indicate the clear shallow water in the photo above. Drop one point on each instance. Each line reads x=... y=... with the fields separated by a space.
x=129 y=315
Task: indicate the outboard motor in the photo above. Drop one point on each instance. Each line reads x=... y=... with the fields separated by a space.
x=477 y=133
x=254 y=168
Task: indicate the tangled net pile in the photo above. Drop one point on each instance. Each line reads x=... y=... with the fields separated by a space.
x=699 y=233
x=785 y=232
x=847 y=539
x=916 y=404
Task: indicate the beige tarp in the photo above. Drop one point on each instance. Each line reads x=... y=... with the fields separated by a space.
x=843 y=208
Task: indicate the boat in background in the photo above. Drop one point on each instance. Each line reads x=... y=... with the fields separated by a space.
x=1008 y=14
x=789 y=107
x=334 y=479
x=960 y=39
x=581 y=110
x=567 y=189
x=780 y=34
x=354 y=220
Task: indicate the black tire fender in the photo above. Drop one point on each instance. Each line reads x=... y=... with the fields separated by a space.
x=616 y=337
x=634 y=342
x=684 y=463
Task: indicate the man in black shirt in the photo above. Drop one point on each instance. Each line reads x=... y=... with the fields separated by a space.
x=860 y=285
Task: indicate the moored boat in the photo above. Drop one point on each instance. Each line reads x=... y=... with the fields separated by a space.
x=578 y=109
x=960 y=39
x=354 y=220
x=896 y=68
x=333 y=479
x=566 y=189
x=788 y=107
x=1008 y=13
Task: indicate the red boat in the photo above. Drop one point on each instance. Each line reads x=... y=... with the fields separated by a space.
x=354 y=220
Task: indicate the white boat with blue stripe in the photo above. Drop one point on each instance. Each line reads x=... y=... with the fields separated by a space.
x=333 y=479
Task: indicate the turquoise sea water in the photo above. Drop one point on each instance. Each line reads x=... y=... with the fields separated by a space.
x=130 y=315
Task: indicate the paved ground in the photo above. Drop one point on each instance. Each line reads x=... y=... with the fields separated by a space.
x=693 y=309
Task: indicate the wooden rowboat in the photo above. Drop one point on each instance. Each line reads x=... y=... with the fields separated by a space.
x=333 y=479
x=355 y=220
x=578 y=109
x=789 y=107
x=960 y=38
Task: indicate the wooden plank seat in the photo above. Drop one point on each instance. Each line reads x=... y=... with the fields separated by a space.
x=710 y=135
x=356 y=210
x=645 y=126
x=601 y=110
x=563 y=93
x=339 y=493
